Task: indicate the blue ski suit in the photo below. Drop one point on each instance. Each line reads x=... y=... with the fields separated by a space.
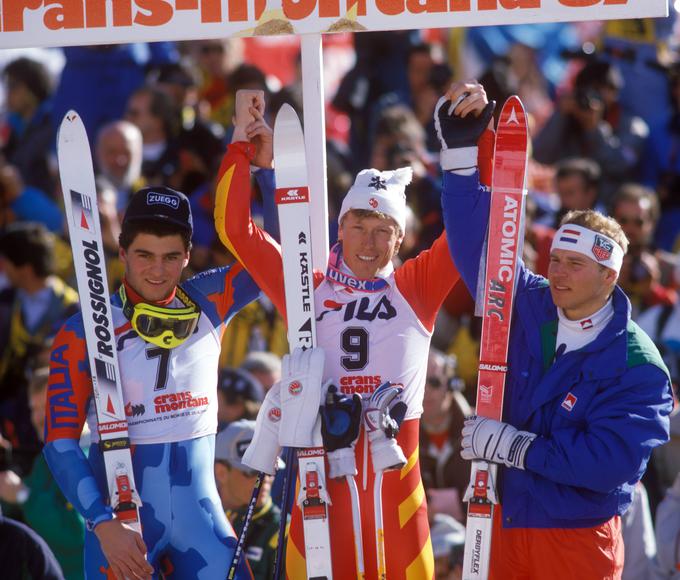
x=583 y=466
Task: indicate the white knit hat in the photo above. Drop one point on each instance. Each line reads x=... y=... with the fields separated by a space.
x=381 y=191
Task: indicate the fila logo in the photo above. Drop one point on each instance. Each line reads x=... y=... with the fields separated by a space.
x=586 y=324
x=569 y=402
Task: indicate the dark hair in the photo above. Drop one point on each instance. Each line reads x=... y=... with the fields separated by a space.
x=131 y=229
x=599 y=74
x=162 y=106
x=636 y=193
x=587 y=169
x=247 y=76
x=418 y=48
x=32 y=74
x=29 y=243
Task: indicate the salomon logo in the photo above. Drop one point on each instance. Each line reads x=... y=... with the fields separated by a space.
x=162 y=199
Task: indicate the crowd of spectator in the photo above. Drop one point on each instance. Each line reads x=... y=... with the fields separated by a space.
x=160 y=114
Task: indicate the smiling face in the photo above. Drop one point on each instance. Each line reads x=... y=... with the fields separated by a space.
x=368 y=243
x=578 y=284
x=154 y=264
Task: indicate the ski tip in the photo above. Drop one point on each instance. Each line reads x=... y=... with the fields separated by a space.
x=286 y=117
x=71 y=122
x=513 y=113
x=71 y=117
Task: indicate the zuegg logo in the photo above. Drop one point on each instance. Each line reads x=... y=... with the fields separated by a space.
x=373 y=202
x=274 y=415
x=295 y=388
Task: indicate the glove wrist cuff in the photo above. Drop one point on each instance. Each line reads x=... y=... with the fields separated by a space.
x=341 y=462
x=518 y=449
x=458 y=158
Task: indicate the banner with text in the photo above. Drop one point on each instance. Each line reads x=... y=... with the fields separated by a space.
x=26 y=23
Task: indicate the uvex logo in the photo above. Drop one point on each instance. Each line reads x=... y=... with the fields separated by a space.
x=361 y=309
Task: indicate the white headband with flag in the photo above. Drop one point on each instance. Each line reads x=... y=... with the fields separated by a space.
x=594 y=245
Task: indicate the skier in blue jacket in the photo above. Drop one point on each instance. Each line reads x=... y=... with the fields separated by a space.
x=587 y=395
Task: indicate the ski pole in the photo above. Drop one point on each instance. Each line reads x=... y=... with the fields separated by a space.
x=356 y=524
x=246 y=524
x=290 y=460
x=379 y=531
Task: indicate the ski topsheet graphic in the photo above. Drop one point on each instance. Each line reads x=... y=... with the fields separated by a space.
x=80 y=202
x=292 y=199
x=504 y=245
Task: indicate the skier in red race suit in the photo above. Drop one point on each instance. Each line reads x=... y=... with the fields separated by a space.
x=587 y=395
x=374 y=324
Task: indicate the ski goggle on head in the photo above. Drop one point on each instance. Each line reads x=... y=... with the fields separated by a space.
x=164 y=327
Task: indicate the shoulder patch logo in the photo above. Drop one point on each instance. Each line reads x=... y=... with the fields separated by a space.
x=569 y=402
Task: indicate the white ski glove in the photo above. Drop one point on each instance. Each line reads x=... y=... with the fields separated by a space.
x=263 y=450
x=301 y=380
x=382 y=418
x=340 y=424
x=491 y=440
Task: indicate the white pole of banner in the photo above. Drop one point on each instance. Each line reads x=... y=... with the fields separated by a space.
x=315 y=144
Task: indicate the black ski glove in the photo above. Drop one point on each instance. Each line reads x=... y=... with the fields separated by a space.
x=340 y=423
x=340 y=419
x=458 y=136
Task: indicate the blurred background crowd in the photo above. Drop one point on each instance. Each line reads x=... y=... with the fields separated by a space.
x=604 y=106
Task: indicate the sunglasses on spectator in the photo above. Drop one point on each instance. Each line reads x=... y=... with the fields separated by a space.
x=638 y=221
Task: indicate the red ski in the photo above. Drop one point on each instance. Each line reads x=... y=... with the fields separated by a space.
x=504 y=244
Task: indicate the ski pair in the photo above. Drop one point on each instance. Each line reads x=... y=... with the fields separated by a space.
x=495 y=299
x=82 y=216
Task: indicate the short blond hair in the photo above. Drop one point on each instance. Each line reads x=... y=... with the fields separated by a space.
x=597 y=222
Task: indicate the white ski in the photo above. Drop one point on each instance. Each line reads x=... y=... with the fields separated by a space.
x=504 y=245
x=292 y=199
x=80 y=201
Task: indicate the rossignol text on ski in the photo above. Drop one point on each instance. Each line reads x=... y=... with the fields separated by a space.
x=80 y=201
x=505 y=236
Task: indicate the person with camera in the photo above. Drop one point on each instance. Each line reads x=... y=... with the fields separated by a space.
x=590 y=122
